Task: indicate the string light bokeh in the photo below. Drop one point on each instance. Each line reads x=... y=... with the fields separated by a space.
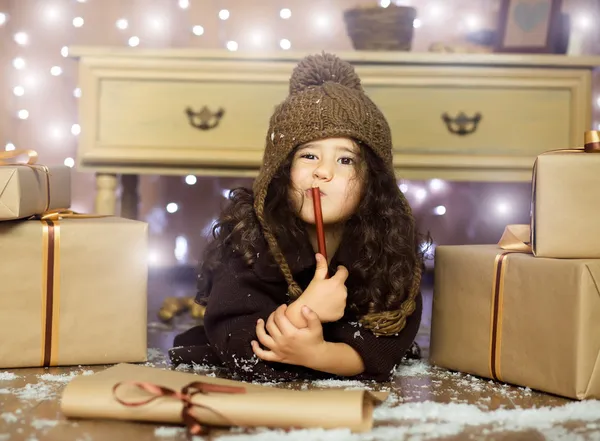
x=40 y=94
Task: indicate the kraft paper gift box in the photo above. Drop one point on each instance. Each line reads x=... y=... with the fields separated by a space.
x=28 y=189
x=566 y=202
x=519 y=319
x=73 y=291
x=111 y=394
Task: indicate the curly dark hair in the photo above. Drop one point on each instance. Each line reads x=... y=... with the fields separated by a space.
x=382 y=228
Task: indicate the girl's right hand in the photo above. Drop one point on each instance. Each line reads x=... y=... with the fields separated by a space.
x=326 y=297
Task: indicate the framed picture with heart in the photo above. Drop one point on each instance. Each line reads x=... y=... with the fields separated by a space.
x=528 y=26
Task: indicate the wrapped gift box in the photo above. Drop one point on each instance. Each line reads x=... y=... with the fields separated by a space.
x=566 y=203
x=517 y=318
x=27 y=190
x=73 y=291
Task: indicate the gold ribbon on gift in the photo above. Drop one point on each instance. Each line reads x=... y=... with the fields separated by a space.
x=8 y=159
x=515 y=239
x=51 y=280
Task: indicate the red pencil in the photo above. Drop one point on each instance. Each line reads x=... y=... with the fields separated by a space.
x=316 y=194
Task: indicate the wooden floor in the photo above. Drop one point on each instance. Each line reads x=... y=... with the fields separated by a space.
x=426 y=403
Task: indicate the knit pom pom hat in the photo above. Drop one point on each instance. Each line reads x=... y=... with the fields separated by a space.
x=326 y=100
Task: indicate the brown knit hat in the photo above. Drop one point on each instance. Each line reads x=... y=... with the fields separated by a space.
x=326 y=100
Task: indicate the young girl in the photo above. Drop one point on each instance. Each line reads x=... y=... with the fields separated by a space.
x=275 y=308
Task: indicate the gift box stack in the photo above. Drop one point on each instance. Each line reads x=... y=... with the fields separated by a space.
x=73 y=286
x=527 y=310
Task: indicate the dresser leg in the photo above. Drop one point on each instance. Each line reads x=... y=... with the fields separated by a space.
x=129 y=196
x=106 y=193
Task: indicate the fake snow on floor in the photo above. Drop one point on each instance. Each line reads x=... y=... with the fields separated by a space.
x=429 y=420
x=63 y=378
x=199 y=368
x=169 y=432
x=7 y=376
x=48 y=387
x=413 y=369
x=346 y=384
x=9 y=417
x=155 y=354
x=400 y=419
x=456 y=385
x=157 y=359
x=44 y=424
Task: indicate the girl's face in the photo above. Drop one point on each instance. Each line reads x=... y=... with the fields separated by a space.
x=332 y=164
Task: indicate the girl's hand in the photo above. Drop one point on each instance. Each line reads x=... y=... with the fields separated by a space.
x=286 y=343
x=326 y=297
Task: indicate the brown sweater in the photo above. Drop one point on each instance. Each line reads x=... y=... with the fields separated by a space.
x=240 y=295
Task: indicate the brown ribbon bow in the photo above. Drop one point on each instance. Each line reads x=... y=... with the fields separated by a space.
x=65 y=213
x=592 y=141
x=592 y=147
x=516 y=237
x=193 y=425
x=32 y=157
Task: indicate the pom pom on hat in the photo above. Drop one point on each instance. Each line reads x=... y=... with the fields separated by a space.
x=315 y=70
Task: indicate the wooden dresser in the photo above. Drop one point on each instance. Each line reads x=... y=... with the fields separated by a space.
x=455 y=117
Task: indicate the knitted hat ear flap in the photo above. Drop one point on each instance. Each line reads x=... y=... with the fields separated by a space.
x=392 y=322
x=294 y=289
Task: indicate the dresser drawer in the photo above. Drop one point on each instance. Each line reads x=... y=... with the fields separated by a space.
x=195 y=115
x=475 y=120
x=203 y=116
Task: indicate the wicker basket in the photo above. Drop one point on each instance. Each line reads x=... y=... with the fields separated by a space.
x=377 y=28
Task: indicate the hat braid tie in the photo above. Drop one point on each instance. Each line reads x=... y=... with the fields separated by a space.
x=294 y=289
x=387 y=323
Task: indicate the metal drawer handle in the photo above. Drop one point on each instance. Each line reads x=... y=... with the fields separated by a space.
x=462 y=125
x=204 y=119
